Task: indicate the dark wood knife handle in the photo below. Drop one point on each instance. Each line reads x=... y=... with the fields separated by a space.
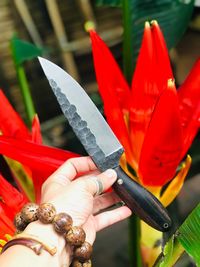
x=143 y=203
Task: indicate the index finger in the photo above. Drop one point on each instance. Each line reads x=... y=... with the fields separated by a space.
x=76 y=166
x=71 y=169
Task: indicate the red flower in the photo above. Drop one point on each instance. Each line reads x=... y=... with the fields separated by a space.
x=155 y=124
x=25 y=146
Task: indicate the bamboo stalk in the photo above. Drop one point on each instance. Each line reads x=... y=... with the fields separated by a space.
x=111 y=37
x=28 y=21
x=68 y=59
x=87 y=11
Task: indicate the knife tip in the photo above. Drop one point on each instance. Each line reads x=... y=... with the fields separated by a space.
x=40 y=59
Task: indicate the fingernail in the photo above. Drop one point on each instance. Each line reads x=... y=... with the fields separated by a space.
x=110 y=173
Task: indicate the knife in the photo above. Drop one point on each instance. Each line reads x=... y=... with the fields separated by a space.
x=102 y=145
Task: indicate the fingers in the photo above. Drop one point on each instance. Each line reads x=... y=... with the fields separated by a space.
x=100 y=183
x=108 y=218
x=66 y=173
x=76 y=166
x=105 y=201
x=70 y=169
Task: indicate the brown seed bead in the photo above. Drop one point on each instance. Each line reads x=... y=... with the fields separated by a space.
x=75 y=236
x=29 y=212
x=46 y=212
x=62 y=222
x=84 y=252
x=19 y=222
x=77 y=263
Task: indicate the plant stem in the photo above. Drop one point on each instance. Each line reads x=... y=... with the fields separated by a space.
x=134 y=242
x=25 y=91
x=24 y=87
x=134 y=222
x=127 y=40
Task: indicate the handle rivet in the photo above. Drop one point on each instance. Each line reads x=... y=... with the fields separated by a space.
x=120 y=181
x=166 y=225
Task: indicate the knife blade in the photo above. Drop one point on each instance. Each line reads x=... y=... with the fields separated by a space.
x=102 y=145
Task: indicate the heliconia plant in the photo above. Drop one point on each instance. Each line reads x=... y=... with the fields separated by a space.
x=155 y=122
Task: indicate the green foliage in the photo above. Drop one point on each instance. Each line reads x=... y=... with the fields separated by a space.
x=185 y=239
x=189 y=235
x=23 y=50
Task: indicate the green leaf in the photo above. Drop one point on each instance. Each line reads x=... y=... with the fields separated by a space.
x=185 y=239
x=24 y=181
x=109 y=2
x=171 y=253
x=173 y=17
x=23 y=50
x=189 y=235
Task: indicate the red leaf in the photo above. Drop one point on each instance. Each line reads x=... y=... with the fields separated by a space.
x=6 y=224
x=108 y=72
x=113 y=89
x=39 y=177
x=189 y=104
x=161 y=150
x=36 y=132
x=145 y=92
x=161 y=53
x=150 y=78
x=11 y=198
x=10 y=122
x=37 y=157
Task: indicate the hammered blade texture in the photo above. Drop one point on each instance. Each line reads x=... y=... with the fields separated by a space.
x=84 y=134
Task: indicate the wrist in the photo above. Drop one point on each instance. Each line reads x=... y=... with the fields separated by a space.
x=47 y=234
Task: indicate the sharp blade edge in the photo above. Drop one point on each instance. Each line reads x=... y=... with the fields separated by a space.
x=83 y=116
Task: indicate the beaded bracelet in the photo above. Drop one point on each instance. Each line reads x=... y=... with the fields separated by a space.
x=62 y=224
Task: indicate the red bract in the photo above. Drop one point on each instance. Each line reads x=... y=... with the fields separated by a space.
x=189 y=104
x=162 y=146
x=146 y=117
x=6 y=225
x=10 y=122
x=10 y=198
x=18 y=143
x=36 y=132
x=38 y=157
x=39 y=161
x=11 y=201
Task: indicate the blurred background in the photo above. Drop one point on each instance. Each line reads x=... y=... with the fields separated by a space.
x=58 y=27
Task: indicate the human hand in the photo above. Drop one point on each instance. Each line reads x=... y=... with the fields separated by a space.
x=77 y=196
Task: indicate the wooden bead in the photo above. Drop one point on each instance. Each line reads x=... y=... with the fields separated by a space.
x=62 y=222
x=75 y=236
x=77 y=263
x=29 y=212
x=46 y=212
x=19 y=222
x=83 y=252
